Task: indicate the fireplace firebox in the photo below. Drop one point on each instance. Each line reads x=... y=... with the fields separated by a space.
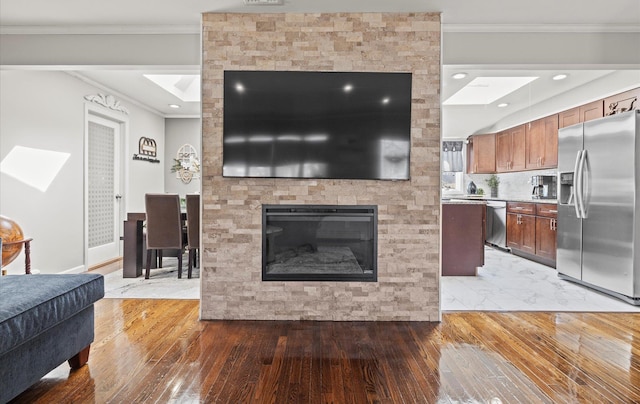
x=319 y=243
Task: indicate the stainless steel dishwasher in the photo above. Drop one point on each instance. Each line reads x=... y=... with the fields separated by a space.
x=497 y=223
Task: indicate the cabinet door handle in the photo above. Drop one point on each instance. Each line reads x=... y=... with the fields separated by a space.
x=552 y=211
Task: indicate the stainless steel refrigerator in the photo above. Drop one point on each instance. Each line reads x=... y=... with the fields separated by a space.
x=598 y=205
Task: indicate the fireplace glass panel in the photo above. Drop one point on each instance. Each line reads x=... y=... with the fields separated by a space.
x=304 y=242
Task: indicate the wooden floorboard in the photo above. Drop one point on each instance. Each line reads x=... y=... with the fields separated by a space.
x=158 y=351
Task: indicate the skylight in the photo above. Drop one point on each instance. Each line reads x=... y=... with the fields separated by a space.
x=485 y=90
x=184 y=86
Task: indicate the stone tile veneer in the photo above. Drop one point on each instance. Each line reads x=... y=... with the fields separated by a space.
x=408 y=218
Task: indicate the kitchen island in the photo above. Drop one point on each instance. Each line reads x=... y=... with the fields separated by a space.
x=463 y=235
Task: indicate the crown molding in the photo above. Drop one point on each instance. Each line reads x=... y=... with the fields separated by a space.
x=181 y=116
x=540 y=28
x=190 y=29
x=113 y=92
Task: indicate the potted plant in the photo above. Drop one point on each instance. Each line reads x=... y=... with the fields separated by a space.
x=493 y=182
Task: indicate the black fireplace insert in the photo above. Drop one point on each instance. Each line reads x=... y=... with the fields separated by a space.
x=319 y=243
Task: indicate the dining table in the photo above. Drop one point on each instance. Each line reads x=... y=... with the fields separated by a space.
x=134 y=254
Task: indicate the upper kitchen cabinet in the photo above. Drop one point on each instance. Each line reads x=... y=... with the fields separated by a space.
x=583 y=113
x=542 y=143
x=622 y=102
x=481 y=154
x=511 y=149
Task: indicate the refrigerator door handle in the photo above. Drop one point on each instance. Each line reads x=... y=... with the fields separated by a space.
x=577 y=184
x=580 y=193
x=586 y=192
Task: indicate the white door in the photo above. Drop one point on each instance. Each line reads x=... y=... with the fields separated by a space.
x=103 y=189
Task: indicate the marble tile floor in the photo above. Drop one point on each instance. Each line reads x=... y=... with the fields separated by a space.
x=510 y=283
x=505 y=283
x=163 y=283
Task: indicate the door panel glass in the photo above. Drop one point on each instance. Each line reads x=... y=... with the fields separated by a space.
x=101 y=198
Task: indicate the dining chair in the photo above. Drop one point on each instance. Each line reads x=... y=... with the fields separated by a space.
x=164 y=227
x=193 y=230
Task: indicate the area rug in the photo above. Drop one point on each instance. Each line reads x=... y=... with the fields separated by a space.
x=163 y=283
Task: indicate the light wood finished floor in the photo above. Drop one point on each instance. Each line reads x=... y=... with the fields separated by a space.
x=158 y=351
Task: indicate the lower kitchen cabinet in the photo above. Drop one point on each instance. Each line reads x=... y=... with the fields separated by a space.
x=531 y=231
x=546 y=231
x=546 y=237
x=521 y=232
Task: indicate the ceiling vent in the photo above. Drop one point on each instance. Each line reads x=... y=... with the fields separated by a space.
x=263 y=2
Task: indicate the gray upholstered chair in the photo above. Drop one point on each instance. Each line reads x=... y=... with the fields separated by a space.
x=164 y=227
x=193 y=229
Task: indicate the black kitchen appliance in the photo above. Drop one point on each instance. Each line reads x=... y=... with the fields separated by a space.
x=544 y=187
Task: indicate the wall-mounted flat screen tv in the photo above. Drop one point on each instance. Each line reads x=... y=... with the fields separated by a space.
x=337 y=125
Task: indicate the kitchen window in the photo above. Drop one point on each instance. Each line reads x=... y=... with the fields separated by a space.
x=452 y=175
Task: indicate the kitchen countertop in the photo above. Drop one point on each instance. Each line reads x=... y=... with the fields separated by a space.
x=463 y=198
x=462 y=201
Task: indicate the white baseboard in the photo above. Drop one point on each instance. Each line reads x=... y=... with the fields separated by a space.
x=76 y=270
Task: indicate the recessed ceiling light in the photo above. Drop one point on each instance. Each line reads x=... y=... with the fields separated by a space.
x=486 y=90
x=502 y=105
x=239 y=88
x=176 y=106
x=560 y=76
x=347 y=88
x=386 y=100
x=459 y=76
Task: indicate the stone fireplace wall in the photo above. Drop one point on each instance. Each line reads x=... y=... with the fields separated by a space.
x=408 y=217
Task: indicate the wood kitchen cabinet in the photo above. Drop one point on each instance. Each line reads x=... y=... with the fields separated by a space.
x=546 y=231
x=481 y=154
x=532 y=231
x=542 y=143
x=511 y=149
x=583 y=113
x=463 y=235
x=534 y=145
x=521 y=227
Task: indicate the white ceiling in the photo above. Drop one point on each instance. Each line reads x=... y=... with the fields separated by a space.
x=68 y=16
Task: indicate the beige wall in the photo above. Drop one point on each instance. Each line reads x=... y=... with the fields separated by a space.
x=408 y=222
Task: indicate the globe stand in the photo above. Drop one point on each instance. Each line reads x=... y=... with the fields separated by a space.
x=27 y=253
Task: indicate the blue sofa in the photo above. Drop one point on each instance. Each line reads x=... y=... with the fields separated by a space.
x=45 y=320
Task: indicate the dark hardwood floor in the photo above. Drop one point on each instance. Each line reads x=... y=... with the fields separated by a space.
x=158 y=351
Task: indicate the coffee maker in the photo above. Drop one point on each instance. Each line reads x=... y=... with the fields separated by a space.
x=544 y=187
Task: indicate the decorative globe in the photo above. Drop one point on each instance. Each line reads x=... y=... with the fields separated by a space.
x=10 y=231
